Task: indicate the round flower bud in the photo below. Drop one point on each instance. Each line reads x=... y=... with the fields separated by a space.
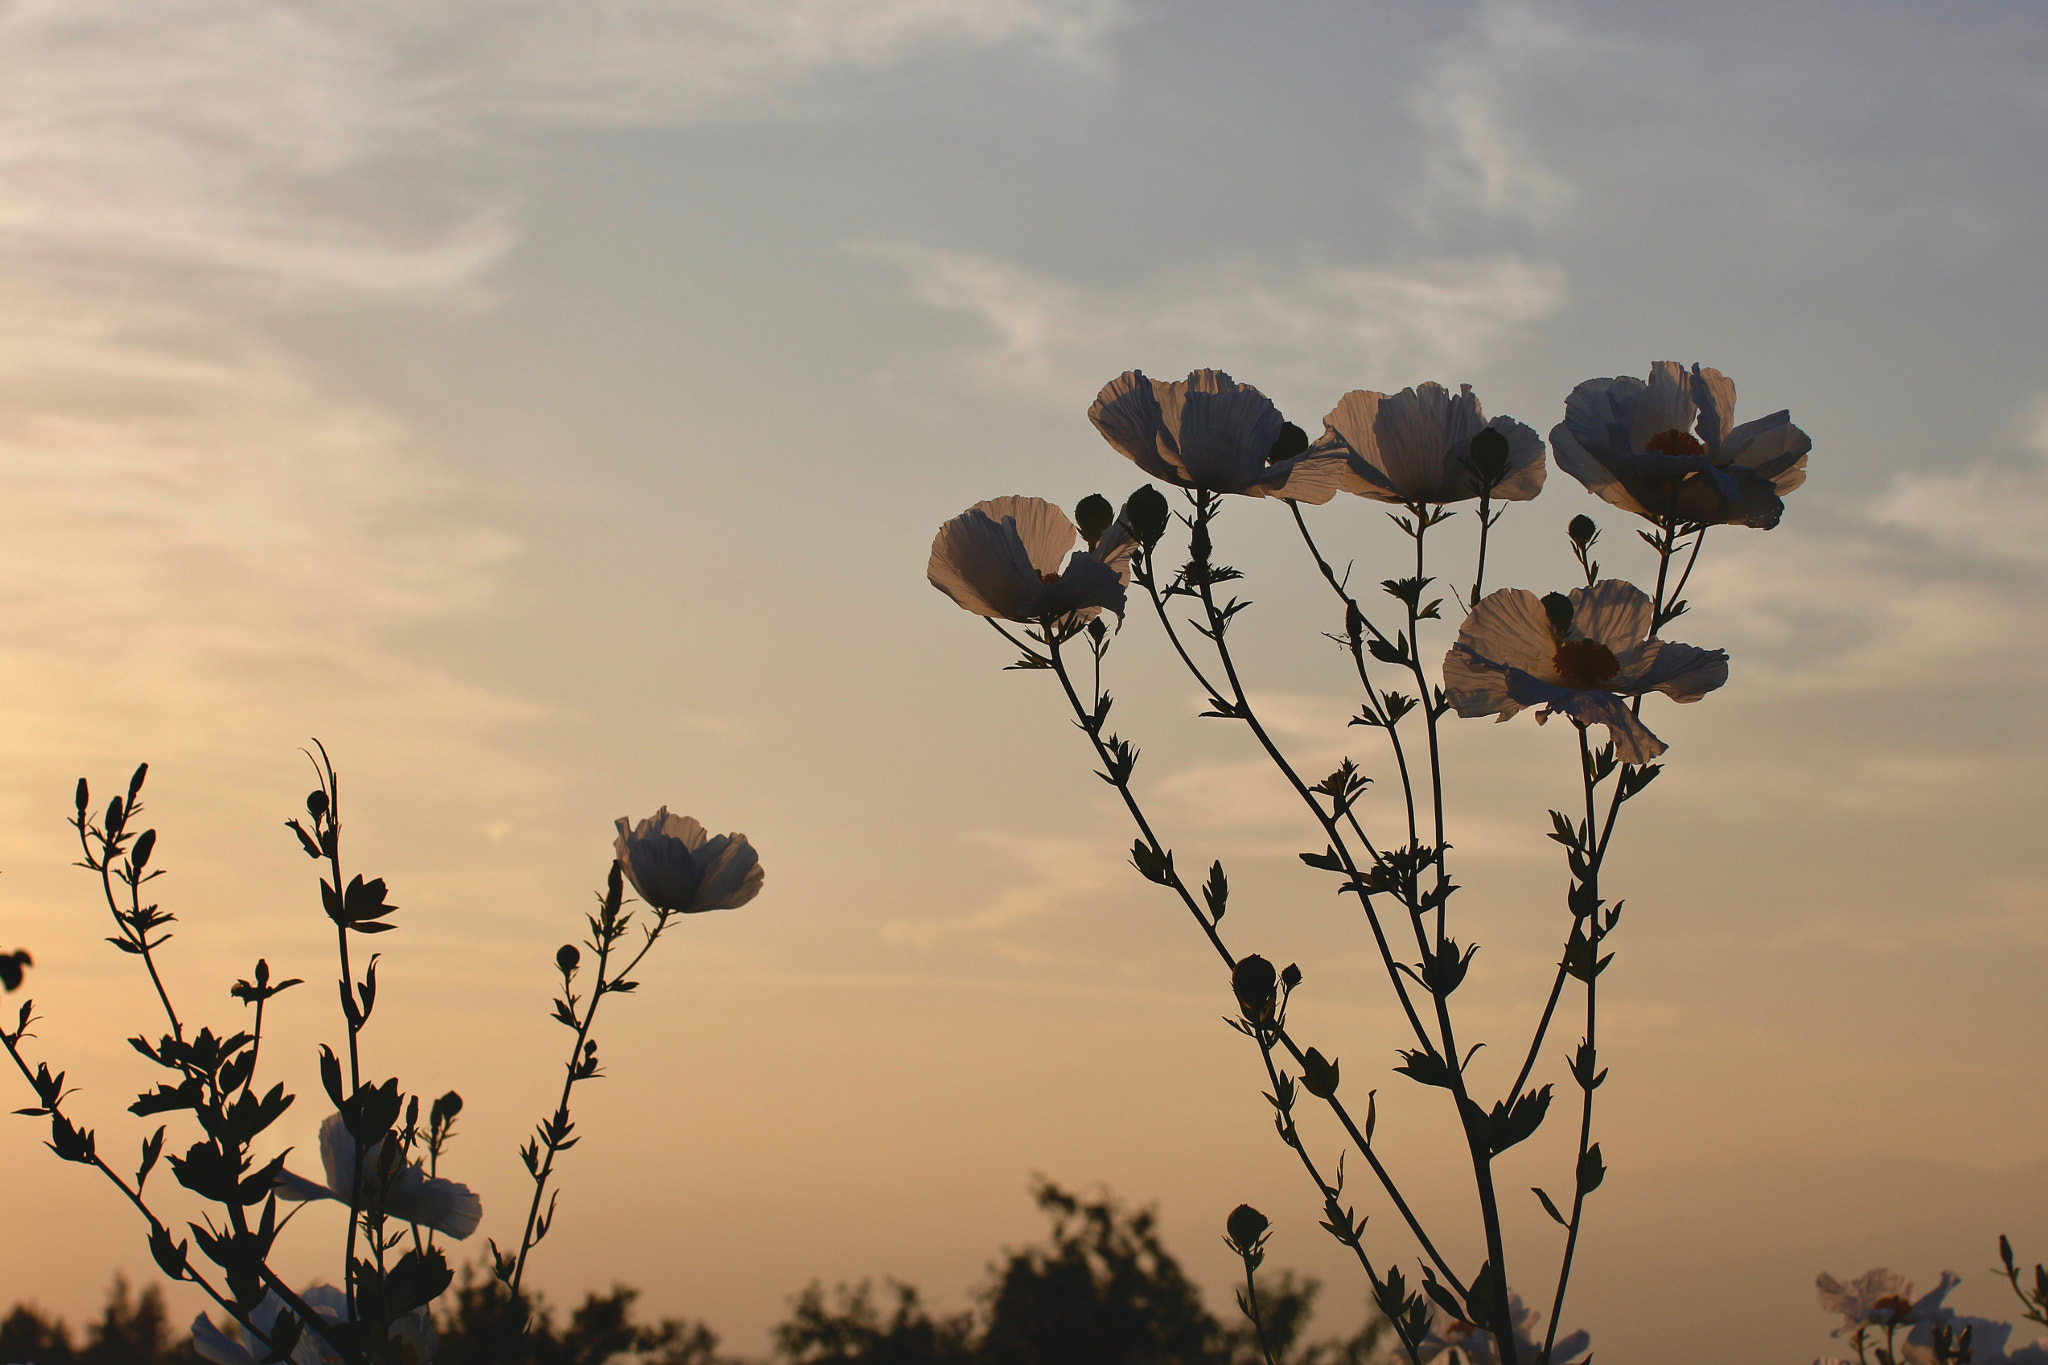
x=566 y=958
x=1582 y=530
x=1245 y=1229
x=1146 y=513
x=1256 y=985
x=1092 y=516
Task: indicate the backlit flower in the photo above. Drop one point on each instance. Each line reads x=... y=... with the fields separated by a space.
x=1001 y=558
x=413 y=1332
x=1668 y=449
x=1880 y=1298
x=1210 y=432
x=1415 y=446
x=675 y=865
x=1578 y=656
x=1453 y=1341
x=413 y=1196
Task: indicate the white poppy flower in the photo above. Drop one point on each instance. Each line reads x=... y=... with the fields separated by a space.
x=1880 y=1298
x=413 y=1197
x=1210 y=432
x=1578 y=657
x=1001 y=558
x=675 y=865
x=1415 y=446
x=1453 y=1341
x=1634 y=444
x=414 y=1332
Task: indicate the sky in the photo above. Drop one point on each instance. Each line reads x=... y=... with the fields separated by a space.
x=549 y=408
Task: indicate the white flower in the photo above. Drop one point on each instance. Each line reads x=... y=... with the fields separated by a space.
x=1880 y=1298
x=414 y=1332
x=1453 y=1341
x=1575 y=656
x=1633 y=443
x=1415 y=446
x=1001 y=558
x=413 y=1197
x=1210 y=432
x=674 y=865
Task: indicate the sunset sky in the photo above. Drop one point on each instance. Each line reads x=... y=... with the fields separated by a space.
x=549 y=407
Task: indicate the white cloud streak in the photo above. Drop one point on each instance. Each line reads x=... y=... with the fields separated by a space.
x=1328 y=323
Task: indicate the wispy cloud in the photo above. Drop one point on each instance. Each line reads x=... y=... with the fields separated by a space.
x=1047 y=876
x=187 y=497
x=1327 y=323
x=1479 y=154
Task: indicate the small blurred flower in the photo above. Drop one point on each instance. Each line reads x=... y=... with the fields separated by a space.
x=1210 y=432
x=414 y=1332
x=1453 y=1341
x=1880 y=1298
x=675 y=866
x=1577 y=656
x=413 y=1196
x=1416 y=446
x=1001 y=558
x=1634 y=444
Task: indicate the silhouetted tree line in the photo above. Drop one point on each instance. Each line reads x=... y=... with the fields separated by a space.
x=1103 y=1292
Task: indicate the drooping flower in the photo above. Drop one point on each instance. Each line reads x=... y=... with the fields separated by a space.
x=1210 y=432
x=1577 y=656
x=414 y=1332
x=1668 y=449
x=1416 y=446
x=1453 y=1341
x=675 y=865
x=413 y=1196
x=1001 y=559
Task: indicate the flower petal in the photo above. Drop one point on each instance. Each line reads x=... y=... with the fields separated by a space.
x=732 y=875
x=1224 y=430
x=1615 y=613
x=1714 y=395
x=1128 y=414
x=1683 y=672
x=1510 y=626
x=443 y=1205
x=981 y=562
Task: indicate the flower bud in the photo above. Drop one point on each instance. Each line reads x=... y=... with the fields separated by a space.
x=1092 y=516
x=1489 y=454
x=1290 y=976
x=1582 y=531
x=1245 y=1229
x=1292 y=441
x=1318 y=1075
x=1256 y=986
x=1146 y=513
x=567 y=958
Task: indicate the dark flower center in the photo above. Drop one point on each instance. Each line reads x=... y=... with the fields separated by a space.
x=1585 y=663
x=1675 y=443
x=1892 y=1308
x=1048 y=577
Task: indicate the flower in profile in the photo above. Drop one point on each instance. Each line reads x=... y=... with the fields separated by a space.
x=1668 y=449
x=1210 y=432
x=1453 y=1341
x=412 y=1195
x=413 y=1332
x=1576 y=656
x=1001 y=559
x=676 y=867
x=1423 y=445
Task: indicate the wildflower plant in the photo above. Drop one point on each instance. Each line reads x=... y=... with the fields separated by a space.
x=1664 y=450
x=376 y=1156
